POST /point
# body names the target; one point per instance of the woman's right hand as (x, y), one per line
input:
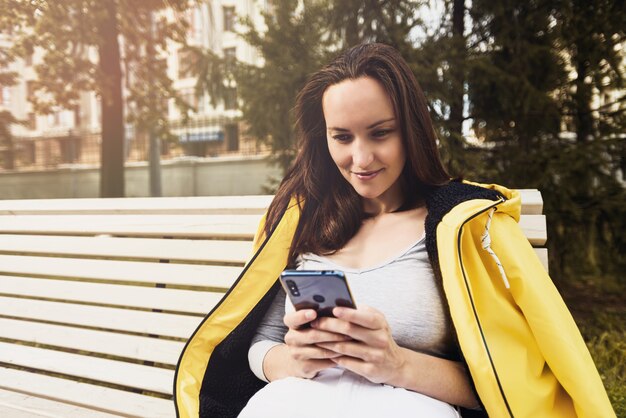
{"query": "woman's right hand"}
(300, 356)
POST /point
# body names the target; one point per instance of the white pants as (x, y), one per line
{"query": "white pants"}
(338, 393)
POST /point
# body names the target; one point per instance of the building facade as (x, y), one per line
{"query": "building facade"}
(72, 136)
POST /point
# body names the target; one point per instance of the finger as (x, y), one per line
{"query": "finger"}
(365, 316)
(354, 349)
(311, 336)
(311, 353)
(356, 365)
(311, 368)
(378, 338)
(299, 318)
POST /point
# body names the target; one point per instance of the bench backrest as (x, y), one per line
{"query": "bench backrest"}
(98, 296)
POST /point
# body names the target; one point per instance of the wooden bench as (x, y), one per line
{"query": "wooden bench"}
(98, 296)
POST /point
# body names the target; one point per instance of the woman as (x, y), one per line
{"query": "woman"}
(462, 313)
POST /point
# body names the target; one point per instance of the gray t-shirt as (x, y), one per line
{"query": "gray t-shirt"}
(403, 289)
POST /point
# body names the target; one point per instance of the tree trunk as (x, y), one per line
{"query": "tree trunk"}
(112, 148)
(458, 67)
(457, 83)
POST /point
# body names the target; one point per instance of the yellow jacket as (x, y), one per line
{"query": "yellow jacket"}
(523, 350)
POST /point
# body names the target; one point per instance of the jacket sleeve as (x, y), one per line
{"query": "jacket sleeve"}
(550, 321)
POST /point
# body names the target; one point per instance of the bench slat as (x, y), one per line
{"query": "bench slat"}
(19, 405)
(174, 274)
(206, 205)
(111, 371)
(534, 227)
(121, 345)
(209, 226)
(199, 226)
(87, 395)
(532, 204)
(130, 248)
(154, 323)
(110, 294)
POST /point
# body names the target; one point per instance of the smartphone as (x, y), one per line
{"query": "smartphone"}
(321, 290)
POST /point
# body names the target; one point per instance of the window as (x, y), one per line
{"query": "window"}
(229, 18)
(5, 96)
(185, 64)
(232, 137)
(230, 58)
(70, 149)
(32, 121)
(188, 96)
(30, 89)
(230, 98)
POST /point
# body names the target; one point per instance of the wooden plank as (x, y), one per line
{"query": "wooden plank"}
(20, 405)
(205, 205)
(102, 342)
(154, 323)
(532, 202)
(127, 271)
(109, 294)
(111, 371)
(210, 251)
(198, 226)
(209, 226)
(542, 253)
(534, 227)
(82, 394)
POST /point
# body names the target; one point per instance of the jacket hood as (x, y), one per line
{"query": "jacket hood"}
(512, 205)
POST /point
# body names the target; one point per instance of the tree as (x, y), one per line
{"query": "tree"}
(7, 78)
(70, 34)
(7, 147)
(294, 43)
(536, 70)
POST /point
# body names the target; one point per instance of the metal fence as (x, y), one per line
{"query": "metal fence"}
(83, 149)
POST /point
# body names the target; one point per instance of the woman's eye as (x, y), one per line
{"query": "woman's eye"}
(381, 133)
(341, 137)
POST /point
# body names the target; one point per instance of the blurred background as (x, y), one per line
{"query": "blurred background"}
(179, 98)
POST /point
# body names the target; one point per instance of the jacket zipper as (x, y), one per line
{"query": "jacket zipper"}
(482, 334)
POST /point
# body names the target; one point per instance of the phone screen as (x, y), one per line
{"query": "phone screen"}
(321, 290)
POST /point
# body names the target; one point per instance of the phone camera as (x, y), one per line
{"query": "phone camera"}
(318, 298)
(293, 288)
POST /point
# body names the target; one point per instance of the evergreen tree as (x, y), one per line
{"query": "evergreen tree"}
(586, 191)
(526, 91)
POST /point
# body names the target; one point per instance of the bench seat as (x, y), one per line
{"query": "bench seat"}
(98, 296)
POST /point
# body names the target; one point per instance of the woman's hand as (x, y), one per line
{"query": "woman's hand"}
(370, 351)
(301, 356)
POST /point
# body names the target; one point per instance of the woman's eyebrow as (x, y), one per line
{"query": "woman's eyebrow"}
(380, 122)
(373, 125)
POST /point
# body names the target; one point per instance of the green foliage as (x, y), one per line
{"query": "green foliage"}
(609, 353)
(294, 45)
(600, 316)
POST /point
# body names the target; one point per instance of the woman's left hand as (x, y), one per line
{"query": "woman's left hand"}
(372, 352)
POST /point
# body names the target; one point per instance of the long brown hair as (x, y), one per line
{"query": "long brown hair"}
(331, 210)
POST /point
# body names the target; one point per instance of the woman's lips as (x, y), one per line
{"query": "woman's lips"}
(367, 175)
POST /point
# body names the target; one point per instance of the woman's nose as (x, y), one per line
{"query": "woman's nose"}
(362, 153)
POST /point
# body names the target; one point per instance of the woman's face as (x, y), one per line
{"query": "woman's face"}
(364, 141)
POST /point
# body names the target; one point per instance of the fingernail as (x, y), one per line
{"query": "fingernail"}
(309, 315)
(338, 312)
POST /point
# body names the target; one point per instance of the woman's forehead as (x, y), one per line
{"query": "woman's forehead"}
(356, 103)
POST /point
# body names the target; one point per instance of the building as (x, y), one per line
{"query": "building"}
(72, 136)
